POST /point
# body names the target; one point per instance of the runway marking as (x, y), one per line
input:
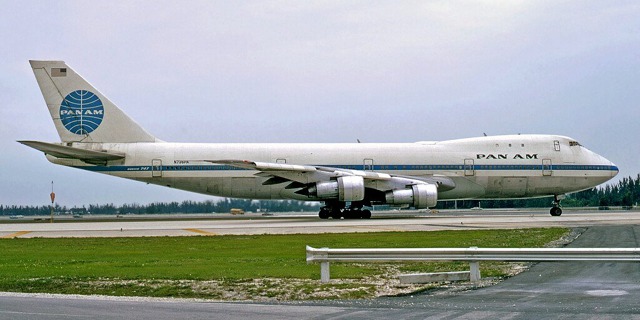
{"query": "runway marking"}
(65, 315)
(380, 228)
(206, 233)
(607, 293)
(15, 234)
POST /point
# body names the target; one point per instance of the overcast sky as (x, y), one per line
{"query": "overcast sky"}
(319, 71)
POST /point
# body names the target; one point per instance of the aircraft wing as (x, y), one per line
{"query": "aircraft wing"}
(284, 169)
(60, 151)
(265, 166)
(300, 176)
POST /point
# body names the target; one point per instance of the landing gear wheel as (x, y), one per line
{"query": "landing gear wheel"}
(352, 213)
(324, 213)
(556, 211)
(338, 210)
(332, 209)
(336, 214)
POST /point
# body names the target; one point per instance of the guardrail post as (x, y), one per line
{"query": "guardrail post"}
(324, 272)
(320, 255)
(474, 274)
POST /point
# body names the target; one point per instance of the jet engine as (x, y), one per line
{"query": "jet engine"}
(421, 196)
(349, 188)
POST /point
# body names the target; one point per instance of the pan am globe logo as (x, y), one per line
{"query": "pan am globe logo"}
(81, 112)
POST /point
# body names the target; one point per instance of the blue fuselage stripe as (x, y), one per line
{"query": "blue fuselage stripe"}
(412, 167)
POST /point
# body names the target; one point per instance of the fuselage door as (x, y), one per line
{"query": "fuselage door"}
(469, 169)
(368, 164)
(546, 167)
(156, 168)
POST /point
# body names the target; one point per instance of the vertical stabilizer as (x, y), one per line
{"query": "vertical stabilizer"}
(79, 111)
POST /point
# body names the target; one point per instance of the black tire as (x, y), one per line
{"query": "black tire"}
(555, 211)
(324, 214)
(352, 214)
(365, 214)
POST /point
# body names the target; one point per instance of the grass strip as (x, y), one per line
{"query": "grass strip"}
(229, 267)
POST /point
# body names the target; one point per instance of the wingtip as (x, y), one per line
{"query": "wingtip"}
(25, 142)
(36, 64)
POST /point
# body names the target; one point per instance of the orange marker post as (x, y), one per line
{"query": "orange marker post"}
(53, 198)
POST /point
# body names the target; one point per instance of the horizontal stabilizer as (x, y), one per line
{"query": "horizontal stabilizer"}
(58, 151)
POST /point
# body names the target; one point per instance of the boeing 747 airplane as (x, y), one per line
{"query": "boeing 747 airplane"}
(348, 177)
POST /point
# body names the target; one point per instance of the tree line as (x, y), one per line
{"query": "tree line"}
(624, 193)
(223, 206)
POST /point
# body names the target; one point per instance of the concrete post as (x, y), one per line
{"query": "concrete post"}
(474, 274)
(324, 272)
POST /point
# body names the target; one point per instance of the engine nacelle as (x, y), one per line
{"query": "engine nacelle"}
(421, 196)
(324, 190)
(349, 188)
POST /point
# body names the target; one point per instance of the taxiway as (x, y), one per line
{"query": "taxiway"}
(287, 224)
(549, 290)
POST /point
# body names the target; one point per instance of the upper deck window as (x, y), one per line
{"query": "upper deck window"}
(556, 145)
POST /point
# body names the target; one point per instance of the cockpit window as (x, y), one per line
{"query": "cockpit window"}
(574, 143)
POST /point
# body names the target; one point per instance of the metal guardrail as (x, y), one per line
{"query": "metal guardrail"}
(473, 255)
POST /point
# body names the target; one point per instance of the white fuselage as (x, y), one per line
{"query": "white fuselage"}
(513, 166)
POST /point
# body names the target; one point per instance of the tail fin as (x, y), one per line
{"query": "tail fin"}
(79, 111)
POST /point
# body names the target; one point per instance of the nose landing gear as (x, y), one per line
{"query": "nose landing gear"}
(556, 210)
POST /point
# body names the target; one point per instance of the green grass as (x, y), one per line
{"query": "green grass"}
(174, 266)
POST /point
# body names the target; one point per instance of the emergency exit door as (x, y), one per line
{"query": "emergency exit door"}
(156, 168)
(469, 169)
(547, 169)
(367, 164)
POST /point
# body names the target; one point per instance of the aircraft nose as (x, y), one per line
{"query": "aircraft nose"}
(614, 169)
(610, 168)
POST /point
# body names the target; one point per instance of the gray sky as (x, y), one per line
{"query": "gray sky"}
(320, 71)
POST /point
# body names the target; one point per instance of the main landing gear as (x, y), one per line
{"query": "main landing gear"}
(338, 210)
(556, 210)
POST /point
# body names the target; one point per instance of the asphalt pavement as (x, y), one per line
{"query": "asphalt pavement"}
(558, 290)
(450, 220)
